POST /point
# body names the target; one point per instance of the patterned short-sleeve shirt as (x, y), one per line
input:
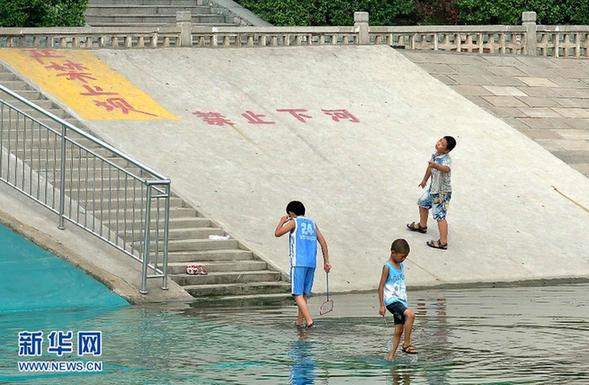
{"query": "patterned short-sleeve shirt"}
(440, 181)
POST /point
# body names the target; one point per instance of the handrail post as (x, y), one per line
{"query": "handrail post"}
(361, 27)
(166, 228)
(529, 22)
(62, 181)
(184, 22)
(146, 241)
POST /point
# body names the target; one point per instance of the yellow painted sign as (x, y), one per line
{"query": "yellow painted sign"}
(85, 84)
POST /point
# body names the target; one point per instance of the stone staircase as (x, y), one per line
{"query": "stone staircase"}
(153, 13)
(234, 271)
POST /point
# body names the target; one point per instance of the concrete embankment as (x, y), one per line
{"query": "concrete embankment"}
(517, 211)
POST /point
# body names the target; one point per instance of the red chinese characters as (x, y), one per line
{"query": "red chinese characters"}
(253, 118)
(73, 71)
(338, 115)
(213, 118)
(95, 91)
(40, 54)
(78, 72)
(297, 113)
(121, 104)
(300, 114)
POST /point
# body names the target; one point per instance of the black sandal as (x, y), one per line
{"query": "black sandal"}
(437, 244)
(409, 349)
(417, 227)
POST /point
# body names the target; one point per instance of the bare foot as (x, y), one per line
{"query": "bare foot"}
(390, 356)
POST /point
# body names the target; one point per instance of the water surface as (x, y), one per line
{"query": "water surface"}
(531, 335)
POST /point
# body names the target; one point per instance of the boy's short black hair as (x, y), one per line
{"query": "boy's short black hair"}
(451, 142)
(400, 246)
(296, 207)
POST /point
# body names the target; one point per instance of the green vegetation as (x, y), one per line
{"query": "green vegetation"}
(331, 12)
(509, 11)
(411, 12)
(42, 13)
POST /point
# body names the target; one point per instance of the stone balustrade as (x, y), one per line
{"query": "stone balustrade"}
(90, 37)
(563, 40)
(480, 39)
(526, 39)
(272, 36)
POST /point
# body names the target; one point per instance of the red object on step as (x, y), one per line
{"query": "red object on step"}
(196, 270)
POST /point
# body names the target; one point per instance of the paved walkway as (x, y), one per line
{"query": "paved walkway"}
(547, 99)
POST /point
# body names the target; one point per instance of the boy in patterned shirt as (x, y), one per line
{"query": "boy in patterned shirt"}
(437, 196)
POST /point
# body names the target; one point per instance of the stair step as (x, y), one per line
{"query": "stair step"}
(201, 244)
(249, 299)
(48, 122)
(35, 153)
(176, 223)
(126, 9)
(87, 172)
(5, 76)
(16, 84)
(215, 267)
(131, 3)
(28, 111)
(151, 18)
(29, 94)
(32, 139)
(226, 277)
(238, 289)
(185, 233)
(43, 103)
(52, 160)
(128, 203)
(215, 256)
(147, 25)
(97, 184)
(175, 212)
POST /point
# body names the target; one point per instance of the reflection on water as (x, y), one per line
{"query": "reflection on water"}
(302, 366)
(476, 336)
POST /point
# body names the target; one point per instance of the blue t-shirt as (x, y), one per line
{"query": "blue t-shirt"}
(302, 243)
(394, 288)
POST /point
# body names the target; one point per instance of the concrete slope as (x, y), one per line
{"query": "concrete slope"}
(358, 180)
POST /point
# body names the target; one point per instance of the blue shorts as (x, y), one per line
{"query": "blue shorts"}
(398, 310)
(438, 202)
(301, 280)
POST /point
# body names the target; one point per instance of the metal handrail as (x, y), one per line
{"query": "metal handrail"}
(28, 142)
(83, 133)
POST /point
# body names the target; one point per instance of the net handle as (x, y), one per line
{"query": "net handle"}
(327, 284)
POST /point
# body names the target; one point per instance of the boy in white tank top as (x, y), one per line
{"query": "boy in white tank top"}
(392, 295)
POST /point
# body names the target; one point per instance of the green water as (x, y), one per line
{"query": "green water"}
(533, 335)
(33, 278)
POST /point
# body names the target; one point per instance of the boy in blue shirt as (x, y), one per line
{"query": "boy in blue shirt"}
(392, 295)
(302, 241)
(437, 196)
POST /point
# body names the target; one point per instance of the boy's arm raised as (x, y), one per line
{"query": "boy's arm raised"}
(285, 225)
(324, 251)
(383, 279)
